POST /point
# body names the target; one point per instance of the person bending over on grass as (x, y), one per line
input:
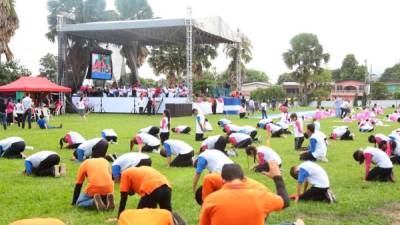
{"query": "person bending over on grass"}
(217, 142)
(239, 140)
(365, 126)
(238, 204)
(153, 188)
(95, 148)
(273, 130)
(213, 182)
(150, 217)
(44, 163)
(73, 140)
(261, 124)
(182, 129)
(310, 173)
(377, 139)
(200, 125)
(263, 154)
(222, 122)
(297, 130)
(384, 167)
(317, 148)
(42, 123)
(145, 142)
(249, 130)
(342, 133)
(183, 151)
(152, 130)
(99, 192)
(211, 159)
(38, 221)
(109, 135)
(12, 148)
(128, 160)
(392, 149)
(230, 128)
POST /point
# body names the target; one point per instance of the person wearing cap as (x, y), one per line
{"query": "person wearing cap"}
(72, 139)
(94, 147)
(145, 142)
(341, 133)
(263, 154)
(240, 140)
(99, 192)
(182, 129)
(317, 148)
(38, 221)
(200, 125)
(12, 148)
(213, 182)
(249, 130)
(152, 130)
(183, 151)
(109, 135)
(128, 160)
(297, 130)
(153, 188)
(384, 167)
(238, 204)
(310, 173)
(217, 142)
(211, 159)
(44, 163)
(150, 217)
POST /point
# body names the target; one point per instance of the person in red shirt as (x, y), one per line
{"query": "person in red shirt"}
(99, 191)
(222, 208)
(151, 185)
(150, 217)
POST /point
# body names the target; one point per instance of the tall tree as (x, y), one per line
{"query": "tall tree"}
(336, 75)
(351, 70)
(391, 74)
(379, 91)
(246, 56)
(48, 67)
(304, 59)
(285, 77)
(8, 24)
(253, 75)
(11, 71)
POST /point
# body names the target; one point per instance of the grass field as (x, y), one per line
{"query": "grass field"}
(359, 202)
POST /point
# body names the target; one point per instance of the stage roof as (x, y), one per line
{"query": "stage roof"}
(152, 32)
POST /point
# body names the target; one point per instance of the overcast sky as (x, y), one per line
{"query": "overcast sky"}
(368, 28)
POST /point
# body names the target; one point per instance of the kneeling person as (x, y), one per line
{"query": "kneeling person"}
(93, 148)
(150, 217)
(109, 135)
(38, 221)
(152, 130)
(145, 142)
(264, 154)
(342, 133)
(183, 151)
(217, 142)
(73, 140)
(44, 163)
(384, 167)
(12, 148)
(239, 140)
(181, 129)
(128, 160)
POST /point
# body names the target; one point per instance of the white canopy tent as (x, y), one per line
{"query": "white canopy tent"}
(152, 32)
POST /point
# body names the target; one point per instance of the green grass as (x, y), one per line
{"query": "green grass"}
(26, 197)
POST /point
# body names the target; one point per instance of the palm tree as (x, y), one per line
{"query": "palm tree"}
(8, 24)
(246, 56)
(304, 59)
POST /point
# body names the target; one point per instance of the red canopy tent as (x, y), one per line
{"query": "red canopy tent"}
(33, 84)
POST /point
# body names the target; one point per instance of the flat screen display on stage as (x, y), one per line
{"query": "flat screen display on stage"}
(100, 67)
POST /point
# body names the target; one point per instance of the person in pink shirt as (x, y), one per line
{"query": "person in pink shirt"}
(10, 111)
(298, 131)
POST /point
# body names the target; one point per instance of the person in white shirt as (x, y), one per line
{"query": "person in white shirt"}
(263, 107)
(73, 140)
(365, 126)
(222, 122)
(182, 129)
(165, 125)
(44, 163)
(249, 130)
(274, 130)
(341, 133)
(211, 159)
(128, 160)
(230, 128)
(183, 151)
(317, 148)
(310, 173)
(217, 142)
(200, 125)
(152, 130)
(93, 148)
(263, 154)
(82, 108)
(19, 110)
(12, 148)
(141, 105)
(27, 105)
(109, 135)
(297, 130)
(384, 167)
(145, 142)
(240, 140)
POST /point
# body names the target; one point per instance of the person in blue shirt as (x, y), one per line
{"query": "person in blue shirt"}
(42, 123)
